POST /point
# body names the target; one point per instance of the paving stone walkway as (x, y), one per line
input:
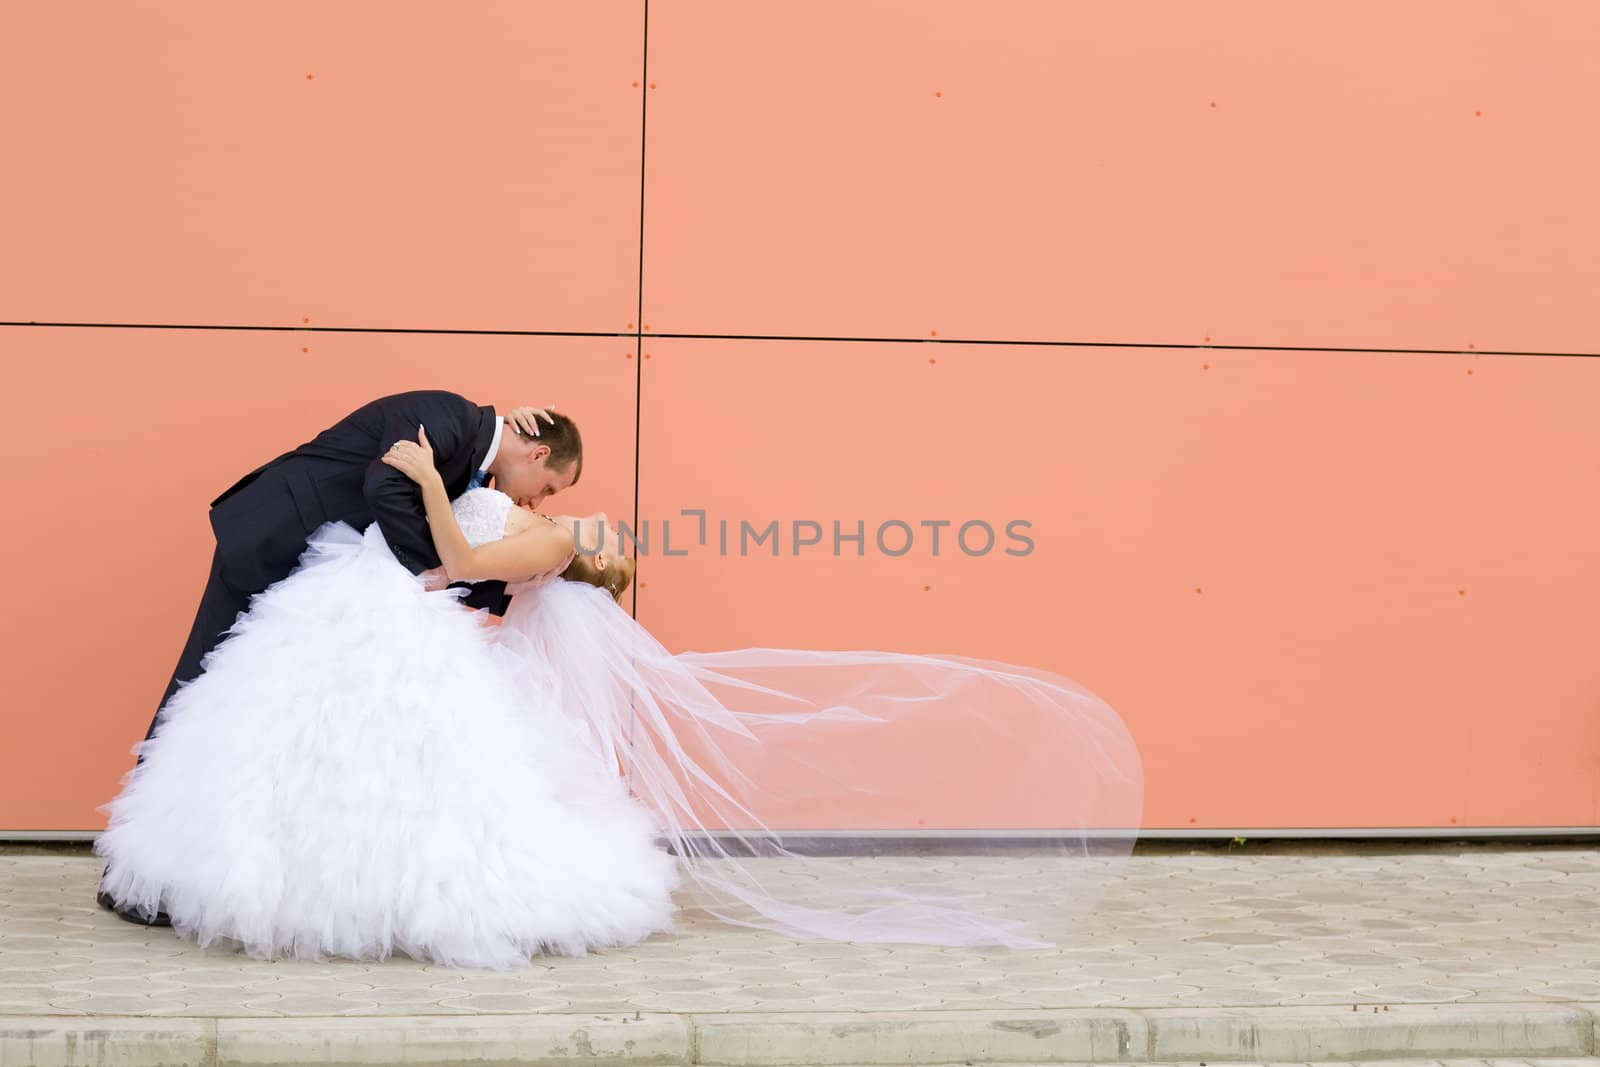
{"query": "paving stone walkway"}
(1360, 929)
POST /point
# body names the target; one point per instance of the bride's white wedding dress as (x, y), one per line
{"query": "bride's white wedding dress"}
(365, 768)
(354, 774)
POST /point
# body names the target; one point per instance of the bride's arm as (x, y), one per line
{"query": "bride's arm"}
(535, 550)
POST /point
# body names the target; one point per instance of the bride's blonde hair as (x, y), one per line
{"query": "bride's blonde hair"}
(615, 579)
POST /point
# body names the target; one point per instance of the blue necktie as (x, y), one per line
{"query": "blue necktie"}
(477, 480)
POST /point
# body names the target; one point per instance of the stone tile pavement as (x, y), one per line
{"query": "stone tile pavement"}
(1199, 950)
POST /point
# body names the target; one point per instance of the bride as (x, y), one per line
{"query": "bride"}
(365, 768)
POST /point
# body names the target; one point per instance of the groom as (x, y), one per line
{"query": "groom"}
(262, 521)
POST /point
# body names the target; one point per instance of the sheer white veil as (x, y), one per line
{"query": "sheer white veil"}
(817, 794)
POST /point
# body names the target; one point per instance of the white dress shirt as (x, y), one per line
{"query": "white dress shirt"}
(494, 446)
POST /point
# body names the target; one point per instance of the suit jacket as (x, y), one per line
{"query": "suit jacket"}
(262, 521)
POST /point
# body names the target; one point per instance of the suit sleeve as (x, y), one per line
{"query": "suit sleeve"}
(490, 595)
(395, 500)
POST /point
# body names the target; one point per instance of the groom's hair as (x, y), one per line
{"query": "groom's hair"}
(564, 441)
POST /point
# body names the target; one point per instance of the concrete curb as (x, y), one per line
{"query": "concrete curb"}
(1295, 1034)
(818, 1039)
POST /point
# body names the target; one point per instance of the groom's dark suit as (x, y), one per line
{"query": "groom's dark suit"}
(262, 521)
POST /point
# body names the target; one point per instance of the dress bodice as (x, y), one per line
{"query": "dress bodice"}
(482, 514)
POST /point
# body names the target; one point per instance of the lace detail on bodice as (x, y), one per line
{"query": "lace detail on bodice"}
(482, 514)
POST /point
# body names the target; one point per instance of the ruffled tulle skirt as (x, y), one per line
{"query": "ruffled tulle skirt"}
(365, 768)
(358, 773)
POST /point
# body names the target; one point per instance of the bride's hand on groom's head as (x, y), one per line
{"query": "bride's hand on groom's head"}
(525, 420)
(414, 459)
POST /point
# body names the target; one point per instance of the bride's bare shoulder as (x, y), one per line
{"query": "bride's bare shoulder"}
(518, 520)
(521, 520)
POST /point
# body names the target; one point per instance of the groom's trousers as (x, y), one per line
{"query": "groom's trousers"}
(220, 605)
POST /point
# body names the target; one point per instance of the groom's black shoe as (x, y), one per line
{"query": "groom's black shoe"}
(131, 914)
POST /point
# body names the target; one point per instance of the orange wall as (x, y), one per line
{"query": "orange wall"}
(1259, 314)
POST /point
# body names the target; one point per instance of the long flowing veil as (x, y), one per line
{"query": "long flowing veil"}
(859, 796)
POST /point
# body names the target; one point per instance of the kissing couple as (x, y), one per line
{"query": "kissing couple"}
(355, 759)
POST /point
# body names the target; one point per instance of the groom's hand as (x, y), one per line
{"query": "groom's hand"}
(526, 419)
(434, 579)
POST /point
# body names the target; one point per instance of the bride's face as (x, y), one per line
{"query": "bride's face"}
(594, 535)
